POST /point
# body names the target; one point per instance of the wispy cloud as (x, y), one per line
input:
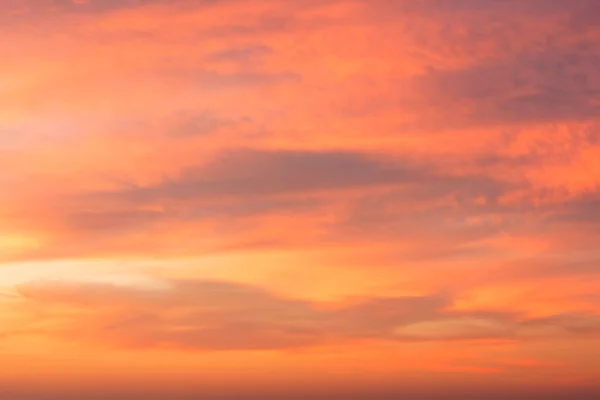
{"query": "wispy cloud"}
(214, 315)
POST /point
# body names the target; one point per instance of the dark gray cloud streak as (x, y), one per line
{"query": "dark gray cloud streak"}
(246, 182)
(251, 173)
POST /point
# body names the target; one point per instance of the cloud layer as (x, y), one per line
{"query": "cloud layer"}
(213, 315)
(343, 179)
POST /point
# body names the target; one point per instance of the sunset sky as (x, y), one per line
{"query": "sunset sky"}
(310, 198)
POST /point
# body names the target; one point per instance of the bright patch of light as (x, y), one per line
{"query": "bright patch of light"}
(73, 271)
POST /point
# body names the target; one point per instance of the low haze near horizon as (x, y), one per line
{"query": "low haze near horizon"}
(278, 198)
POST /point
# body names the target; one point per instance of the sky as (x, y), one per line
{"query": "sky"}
(267, 199)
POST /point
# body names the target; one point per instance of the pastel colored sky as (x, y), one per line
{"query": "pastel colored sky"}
(311, 197)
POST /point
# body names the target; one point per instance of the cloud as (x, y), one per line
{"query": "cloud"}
(218, 316)
(563, 324)
(233, 185)
(343, 196)
(214, 315)
(263, 172)
(191, 124)
(91, 6)
(239, 192)
(248, 173)
(547, 86)
(241, 54)
(455, 328)
(508, 64)
(583, 210)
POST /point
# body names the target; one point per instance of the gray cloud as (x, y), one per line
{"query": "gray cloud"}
(507, 63)
(248, 173)
(257, 172)
(551, 85)
(582, 211)
(241, 184)
(203, 123)
(240, 54)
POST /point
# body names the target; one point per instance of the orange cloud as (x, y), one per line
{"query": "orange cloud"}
(214, 315)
